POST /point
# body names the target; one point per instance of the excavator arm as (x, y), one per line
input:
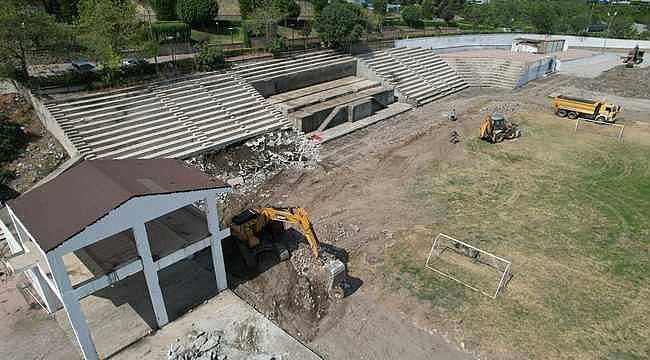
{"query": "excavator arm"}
(294, 215)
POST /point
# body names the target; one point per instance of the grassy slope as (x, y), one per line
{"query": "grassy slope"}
(573, 214)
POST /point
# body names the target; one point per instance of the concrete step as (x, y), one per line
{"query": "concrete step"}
(139, 132)
(91, 127)
(145, 147)
(152, 135)
(113, 132)
(115, 114)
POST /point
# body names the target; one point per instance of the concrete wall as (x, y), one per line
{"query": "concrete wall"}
(351, 111)
(48, 120)
(537, 70)
(491, 41)
(301, 79)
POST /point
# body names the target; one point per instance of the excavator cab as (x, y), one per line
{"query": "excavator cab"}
(258, 232)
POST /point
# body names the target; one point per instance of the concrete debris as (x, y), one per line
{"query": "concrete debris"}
(249, 165)
(504, 108)
(213, 345)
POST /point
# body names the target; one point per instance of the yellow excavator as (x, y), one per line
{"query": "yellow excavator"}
(258, 232)
(495, 129)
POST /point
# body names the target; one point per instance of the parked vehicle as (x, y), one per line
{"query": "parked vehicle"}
(83, 65)
(133, 61)
(598, 110)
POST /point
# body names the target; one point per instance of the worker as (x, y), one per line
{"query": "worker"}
(452, 115)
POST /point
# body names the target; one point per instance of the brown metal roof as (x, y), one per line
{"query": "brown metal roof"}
(63, 207)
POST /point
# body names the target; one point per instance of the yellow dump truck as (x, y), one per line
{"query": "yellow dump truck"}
(572, 107)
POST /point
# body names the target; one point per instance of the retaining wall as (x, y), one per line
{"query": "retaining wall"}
(538, 69)
(275, 85)
(491, 41)
(48, 120)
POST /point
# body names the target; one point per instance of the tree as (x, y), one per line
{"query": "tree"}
(25, 28)
(429, 9)
(108, 29)
(246, 7)
(197, 12)
(341, 23)
(447, 9)
(289, 8)
(542, 16)
(12, 139)
(165, 9)
(319, 5)
(264, 20)
(412, 15)
(379, 7)
(210, 58)
(620, 27)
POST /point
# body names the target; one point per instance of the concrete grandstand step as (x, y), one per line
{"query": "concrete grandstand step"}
(142, 148)
(108, 133)
(125, 134)
(153, 134)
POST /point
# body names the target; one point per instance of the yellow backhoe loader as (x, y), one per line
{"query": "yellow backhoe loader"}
(495, 129)
(258, 232)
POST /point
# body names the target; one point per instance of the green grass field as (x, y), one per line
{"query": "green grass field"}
(572, 212)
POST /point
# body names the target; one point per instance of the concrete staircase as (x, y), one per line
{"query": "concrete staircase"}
(419, 74)
(175, 118)
(489, 72)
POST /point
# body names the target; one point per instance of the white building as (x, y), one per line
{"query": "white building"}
(105, 220)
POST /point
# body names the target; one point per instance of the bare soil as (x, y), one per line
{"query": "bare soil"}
(359, 188)
(41, 155)
(620, 81)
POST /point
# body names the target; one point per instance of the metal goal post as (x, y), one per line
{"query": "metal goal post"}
(620, 127)
(442, 241)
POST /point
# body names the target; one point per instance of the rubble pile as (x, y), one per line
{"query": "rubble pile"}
(42, 153)
(213, 345)
(246, 166)
(504, 108)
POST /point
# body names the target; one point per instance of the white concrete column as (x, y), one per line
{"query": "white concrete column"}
(150, 274)
(212, 214)
(72, 307)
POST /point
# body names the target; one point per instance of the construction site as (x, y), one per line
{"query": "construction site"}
(452, 197)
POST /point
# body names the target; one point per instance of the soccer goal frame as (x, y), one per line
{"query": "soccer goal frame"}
(620, 132)
(436, 251)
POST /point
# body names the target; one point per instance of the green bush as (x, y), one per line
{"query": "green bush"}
(12, 139)
(288, 7)
(178, 29)
(197, 12)
(165, 9)
(412, 15)
(276, 46)
(210, 58)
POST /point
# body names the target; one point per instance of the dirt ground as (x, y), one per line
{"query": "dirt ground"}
(358, 191)
(621, 81)
(41, 155)
(376, 196)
